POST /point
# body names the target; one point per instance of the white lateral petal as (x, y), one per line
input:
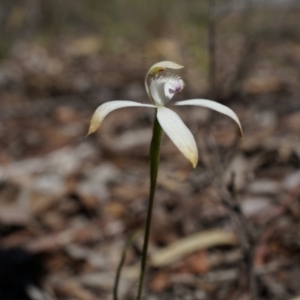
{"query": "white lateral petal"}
(214, 106)
(159, 67)
(103, 110)
(156, 87)
(178, 133)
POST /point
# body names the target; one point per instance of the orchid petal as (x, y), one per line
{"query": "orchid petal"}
(103, 110)
(178, 133)
(214, 106)
(157, 92)
(159, 67)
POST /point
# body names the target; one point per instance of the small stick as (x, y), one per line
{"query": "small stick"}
(129, 243)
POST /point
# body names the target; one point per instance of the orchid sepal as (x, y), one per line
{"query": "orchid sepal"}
(103, 110)
(179, 134)
(214, 106)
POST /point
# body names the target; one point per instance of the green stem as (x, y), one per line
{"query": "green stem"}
(154, 164)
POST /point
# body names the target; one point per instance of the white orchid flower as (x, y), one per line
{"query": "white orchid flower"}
(161, 89)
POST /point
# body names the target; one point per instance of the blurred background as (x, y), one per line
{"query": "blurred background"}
(68, 203)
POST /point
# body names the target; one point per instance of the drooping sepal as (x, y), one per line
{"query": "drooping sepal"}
(180, 135)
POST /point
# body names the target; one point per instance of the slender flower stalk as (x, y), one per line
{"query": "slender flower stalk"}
(161, 87)
(154, 165)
